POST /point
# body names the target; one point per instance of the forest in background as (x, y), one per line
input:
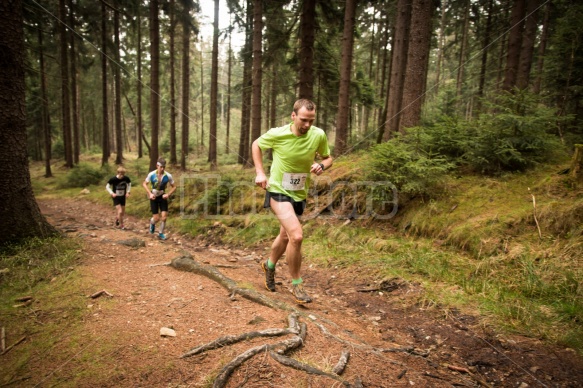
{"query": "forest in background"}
(488, 85)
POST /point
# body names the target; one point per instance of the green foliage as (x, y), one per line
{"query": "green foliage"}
(84, 175)
(58, 151)
(516, 134)
(401, 162)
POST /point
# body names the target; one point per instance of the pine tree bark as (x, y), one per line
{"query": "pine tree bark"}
(74, 89)
(117, 86)
(244, 144)
(341, 143)
(257, 71)
(46, 122)
(104, 101)
(417, 62)
(65, 91)
(306, 54)
(214, 91)
(172, 34)
(528, 40)
(542, 48)
(398, 67)
(154, 81)
(514, 44)
(21, 217)
(185, 89)
(139, 86)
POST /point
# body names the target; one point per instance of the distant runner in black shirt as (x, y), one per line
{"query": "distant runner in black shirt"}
(119, 188)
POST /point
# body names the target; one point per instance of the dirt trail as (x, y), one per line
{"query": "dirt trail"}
(391, 343)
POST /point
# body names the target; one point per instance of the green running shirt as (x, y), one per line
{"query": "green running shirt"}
(293, 155)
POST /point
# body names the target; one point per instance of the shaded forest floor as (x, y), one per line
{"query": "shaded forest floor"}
(392, 341)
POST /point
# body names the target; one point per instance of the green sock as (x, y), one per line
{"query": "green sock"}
(270, 265)
(297, 281)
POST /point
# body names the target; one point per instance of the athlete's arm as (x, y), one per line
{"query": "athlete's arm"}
(260, 178)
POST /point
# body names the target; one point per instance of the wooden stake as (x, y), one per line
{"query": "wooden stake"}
(540, 236)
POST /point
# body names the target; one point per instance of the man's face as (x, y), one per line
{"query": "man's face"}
(303, 120)
(160, 169)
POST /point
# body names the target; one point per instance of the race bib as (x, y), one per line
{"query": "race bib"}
(120, 189)
(294, 181)
(157, 193)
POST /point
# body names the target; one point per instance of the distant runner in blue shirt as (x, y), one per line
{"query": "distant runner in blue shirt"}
(156, 184)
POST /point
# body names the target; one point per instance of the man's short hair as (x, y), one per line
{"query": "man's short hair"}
(161, 162)
(304, 103)
(121, 170)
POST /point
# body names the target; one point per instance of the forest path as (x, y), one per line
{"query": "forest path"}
(391, 341)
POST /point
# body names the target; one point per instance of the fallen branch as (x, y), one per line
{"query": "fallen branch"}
(341, 364)
(159, 265)
(13, 345)
(23, 298)
(100, 293)
(27, 303)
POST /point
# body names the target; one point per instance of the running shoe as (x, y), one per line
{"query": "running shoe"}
(161, 236)
(269, 277)
(152, 228)
(300, 294)
(116, 222)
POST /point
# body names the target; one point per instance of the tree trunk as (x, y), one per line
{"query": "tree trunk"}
(74, 92)
(576, 171)
(117, 76)
(139, 86)
(154, 81)
(246, 95)
(21, 217)
(201, 97)
(528, 39)
(214, 91)
(542, 49)
(463, 53)
(172, 33)
(341, 143)
(440, 47)
(306, 54)
(398, 66)
(185, 89)
(257, 71)
(485, 45)
(46, 122)
(417, 62)
(65, 91)
(229, 73)
(104, 102)
(514, 44)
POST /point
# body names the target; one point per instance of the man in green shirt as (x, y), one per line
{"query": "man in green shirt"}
(294, 147)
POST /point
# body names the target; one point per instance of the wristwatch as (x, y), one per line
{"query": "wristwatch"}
(322, 165)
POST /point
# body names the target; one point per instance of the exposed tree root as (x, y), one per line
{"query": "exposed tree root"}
(278, 350)
(187, 263)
